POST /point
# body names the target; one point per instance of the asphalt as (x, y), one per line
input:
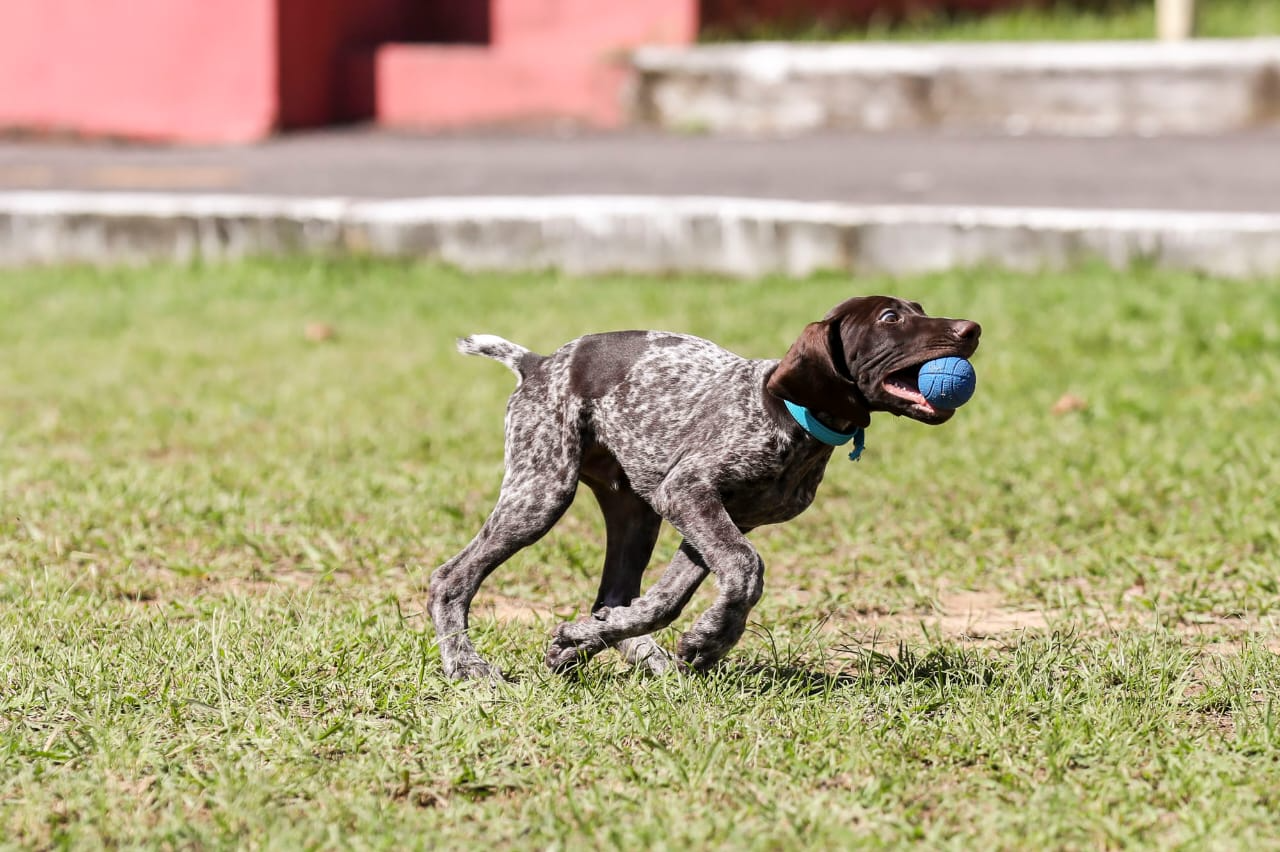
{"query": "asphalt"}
(1237, 172)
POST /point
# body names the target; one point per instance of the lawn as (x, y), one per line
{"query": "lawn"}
(1050, 623)
(1057, 20)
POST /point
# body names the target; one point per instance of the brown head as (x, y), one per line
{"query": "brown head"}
(863, 357)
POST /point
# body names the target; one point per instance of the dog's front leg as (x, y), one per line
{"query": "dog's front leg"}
(694, 508)
(627, 626)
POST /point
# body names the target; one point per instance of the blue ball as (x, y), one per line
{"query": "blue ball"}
(947, 382)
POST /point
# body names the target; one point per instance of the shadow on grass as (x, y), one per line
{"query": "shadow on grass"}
(942, 665)
(865, 668)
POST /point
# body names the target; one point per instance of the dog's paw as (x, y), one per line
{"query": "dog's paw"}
(645, 652)
(475, 669)
(571, 646)
(695, 653)
(563, 659)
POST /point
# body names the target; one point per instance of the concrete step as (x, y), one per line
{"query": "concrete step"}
(587, 235)
(1082, 88)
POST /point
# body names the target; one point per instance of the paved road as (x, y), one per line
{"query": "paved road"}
(1239, 172)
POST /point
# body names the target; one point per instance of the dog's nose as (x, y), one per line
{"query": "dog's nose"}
(967, 331)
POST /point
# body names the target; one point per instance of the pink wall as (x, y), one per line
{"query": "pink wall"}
(185, 69)
(238, 70)
(590, 26)
(545, 59)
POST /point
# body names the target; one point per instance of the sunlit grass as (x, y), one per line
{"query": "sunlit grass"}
(216, 533)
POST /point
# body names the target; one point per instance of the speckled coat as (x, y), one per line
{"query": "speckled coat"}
(669, 426)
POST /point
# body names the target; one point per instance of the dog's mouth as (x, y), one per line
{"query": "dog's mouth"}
(904, 396)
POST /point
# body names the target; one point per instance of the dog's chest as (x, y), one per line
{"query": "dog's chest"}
(777, 489)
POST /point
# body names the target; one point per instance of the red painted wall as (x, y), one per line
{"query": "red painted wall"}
(190, 70)
(186, 69)
(318, 40)
(238, 70)
(545, 59)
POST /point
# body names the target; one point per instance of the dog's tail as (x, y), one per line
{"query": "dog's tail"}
(513, 355)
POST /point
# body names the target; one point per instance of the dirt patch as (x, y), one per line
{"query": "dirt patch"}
(960, 616)
(148, 585)
(503, 608)
(983, 615)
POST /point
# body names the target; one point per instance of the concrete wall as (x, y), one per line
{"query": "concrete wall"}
(545, 59)
(190, 70)
(187, 69)
(238, 70)
(1085, 88)
(318, 40)
(584, 235)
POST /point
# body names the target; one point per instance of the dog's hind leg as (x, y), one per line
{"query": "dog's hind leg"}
(541, 477)
(632, 528)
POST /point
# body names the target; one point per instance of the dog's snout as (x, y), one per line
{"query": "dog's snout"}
(966, 331)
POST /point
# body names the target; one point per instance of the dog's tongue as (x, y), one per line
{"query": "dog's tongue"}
(901, 385)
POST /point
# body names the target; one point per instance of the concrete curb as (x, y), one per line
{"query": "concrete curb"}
(1085, 88)
(595, 234)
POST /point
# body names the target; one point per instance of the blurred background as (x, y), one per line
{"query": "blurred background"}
(241, 70)
(957, 108)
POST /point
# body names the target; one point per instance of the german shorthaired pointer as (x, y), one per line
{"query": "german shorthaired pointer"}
(670, 426)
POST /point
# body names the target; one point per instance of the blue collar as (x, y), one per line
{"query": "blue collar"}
(810, 424)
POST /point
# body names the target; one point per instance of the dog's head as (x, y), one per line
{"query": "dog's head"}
(864, 356)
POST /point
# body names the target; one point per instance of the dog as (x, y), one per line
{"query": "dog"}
(670, 426)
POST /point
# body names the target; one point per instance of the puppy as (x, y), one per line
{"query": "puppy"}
(669, 426)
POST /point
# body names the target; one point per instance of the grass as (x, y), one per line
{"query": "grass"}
(1060, 20)
(216, 532)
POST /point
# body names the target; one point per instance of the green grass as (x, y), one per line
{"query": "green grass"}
(215, 535)
(1055, 21)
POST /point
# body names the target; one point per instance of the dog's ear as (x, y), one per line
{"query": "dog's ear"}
(813, 374)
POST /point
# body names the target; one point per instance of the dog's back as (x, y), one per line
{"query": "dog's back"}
(647, 397)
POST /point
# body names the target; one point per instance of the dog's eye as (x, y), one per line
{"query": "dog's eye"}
(890, 316)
